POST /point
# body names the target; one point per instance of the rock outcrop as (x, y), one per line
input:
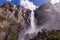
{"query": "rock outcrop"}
(12, 19)
(49, 16)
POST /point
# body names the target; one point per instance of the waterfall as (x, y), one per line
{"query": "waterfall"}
(28, 5)
(32, 28)
(32, 19)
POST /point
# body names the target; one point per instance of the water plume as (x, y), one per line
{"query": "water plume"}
(29, 5)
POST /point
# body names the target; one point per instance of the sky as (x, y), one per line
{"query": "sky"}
(16, 2)
(35, 2)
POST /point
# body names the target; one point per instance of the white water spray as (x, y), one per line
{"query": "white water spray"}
(29, 5)
(32, 18)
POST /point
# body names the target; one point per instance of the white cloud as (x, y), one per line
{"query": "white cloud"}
(9, 0)
(27, 4)
(54, 1)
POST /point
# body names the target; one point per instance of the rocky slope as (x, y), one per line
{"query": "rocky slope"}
(51, 28)
(12, 19)
(51, 13)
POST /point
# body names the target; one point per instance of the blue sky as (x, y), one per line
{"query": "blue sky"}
(39, 2)
(36, 2)
(16, 2)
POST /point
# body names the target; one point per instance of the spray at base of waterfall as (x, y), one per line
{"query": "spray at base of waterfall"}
(32, 30)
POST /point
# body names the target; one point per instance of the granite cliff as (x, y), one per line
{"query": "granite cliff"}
(12, 19)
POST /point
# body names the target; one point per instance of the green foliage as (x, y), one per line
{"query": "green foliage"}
(51, 38)
(11, 37)
(53, 35)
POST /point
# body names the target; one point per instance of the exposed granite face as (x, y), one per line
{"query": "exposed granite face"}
(12, 21)
(49, 16)
(50, 13)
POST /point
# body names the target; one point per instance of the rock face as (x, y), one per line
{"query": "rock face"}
(12, 19)
(49, 16)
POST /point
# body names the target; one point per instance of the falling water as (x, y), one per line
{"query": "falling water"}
(32, 19)
(28, 5)
(32, 28)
